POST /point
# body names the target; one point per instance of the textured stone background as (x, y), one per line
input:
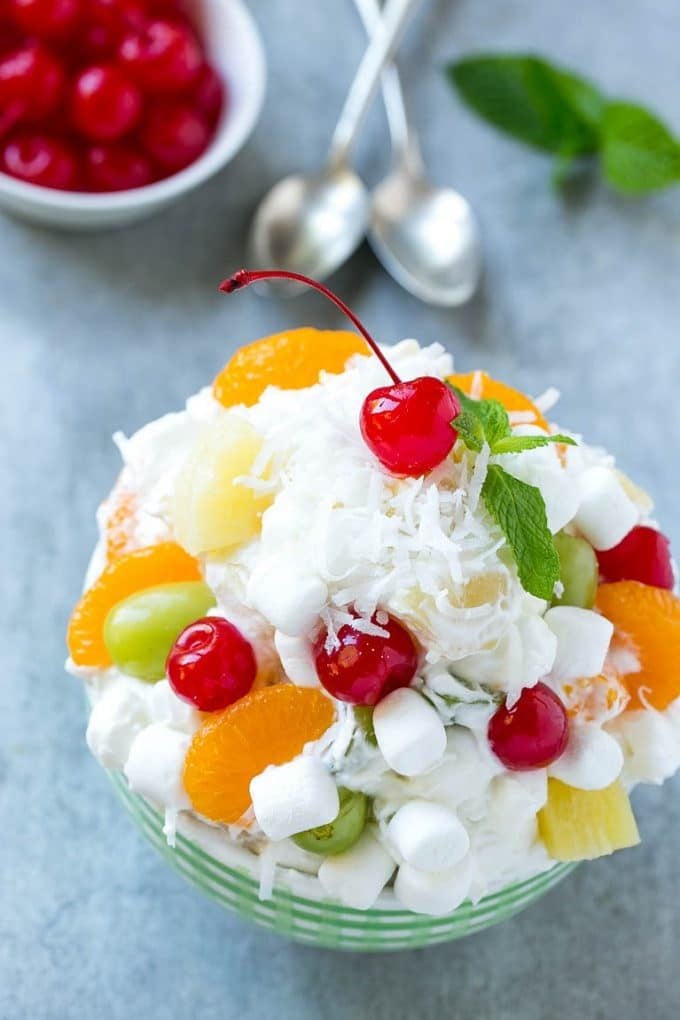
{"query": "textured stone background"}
(105, 332)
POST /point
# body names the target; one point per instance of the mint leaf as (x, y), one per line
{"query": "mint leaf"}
(494, 420)
(480, 421)
(519, 511)
(517, 444)
(532, 100)
(638, 152)
(470, 430)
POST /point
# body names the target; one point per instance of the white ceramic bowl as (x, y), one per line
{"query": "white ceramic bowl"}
(233, 44)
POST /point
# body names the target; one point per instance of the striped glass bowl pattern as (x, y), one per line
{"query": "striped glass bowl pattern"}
(322, 923)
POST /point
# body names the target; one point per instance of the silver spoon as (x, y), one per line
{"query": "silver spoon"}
(312, 224)
(426, 237)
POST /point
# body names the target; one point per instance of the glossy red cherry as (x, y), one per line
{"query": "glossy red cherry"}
(105, 104)
(408, 426)
(104, 25)
(363, 668)
(164, 58)
(32, 81)
(40, 159)
(531, 734)
(208, 94)
(211, 664)
(46, 19)
(174, 135)
(643, 555)
(116, 167)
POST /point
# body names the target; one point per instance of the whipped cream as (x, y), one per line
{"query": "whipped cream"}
(340, 533)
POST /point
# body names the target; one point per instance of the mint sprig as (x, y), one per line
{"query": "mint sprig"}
(519, 511)
(487, 421)
(551, 108)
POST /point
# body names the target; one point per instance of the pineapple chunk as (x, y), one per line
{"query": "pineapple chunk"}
(579, 825)
(210, 510)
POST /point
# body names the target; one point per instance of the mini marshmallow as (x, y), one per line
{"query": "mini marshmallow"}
(293, 797)
(539, 646)
(592, 760)
(428, 836)
(297, 659)
(358, 876)
(433, 892)
(116, 719)
(155, 765)
(410, 734)
(651, 743)
(605, 514)
(583, 639)
(287, 596)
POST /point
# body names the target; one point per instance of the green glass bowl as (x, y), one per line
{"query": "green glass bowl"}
(323, 923)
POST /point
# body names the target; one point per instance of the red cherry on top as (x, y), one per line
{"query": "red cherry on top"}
(164, 58)
(211, 665)
(46, 19)
(363, 668)
(531, 734)
(643, 555)
(40, 159)
(408, 425)
(105, 104)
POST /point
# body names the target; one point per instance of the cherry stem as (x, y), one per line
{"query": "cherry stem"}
(244, 278)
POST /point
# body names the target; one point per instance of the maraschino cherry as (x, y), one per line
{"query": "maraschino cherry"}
(211, 665)
(363, 668)
(407, 425)
(643, 555)
(531, 734)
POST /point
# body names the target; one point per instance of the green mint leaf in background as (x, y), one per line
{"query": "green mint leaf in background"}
(518, 444)
(638, 152)
(532, 100)
(519, 511)
(551, 108)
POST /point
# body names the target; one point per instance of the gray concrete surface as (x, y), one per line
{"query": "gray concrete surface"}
(106, 332)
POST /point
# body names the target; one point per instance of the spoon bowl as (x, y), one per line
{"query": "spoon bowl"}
(427, 238)
(311, 225)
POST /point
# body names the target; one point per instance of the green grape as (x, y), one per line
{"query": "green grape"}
(578, 571)
(342, 833)
(364, 718)
(140, 631)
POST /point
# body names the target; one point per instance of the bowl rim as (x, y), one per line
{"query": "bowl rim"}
(229, 138)
(189, 856)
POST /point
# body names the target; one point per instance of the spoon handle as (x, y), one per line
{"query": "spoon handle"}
(404, 139)
(379, 53)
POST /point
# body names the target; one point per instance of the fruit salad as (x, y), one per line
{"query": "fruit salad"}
(103, 95)
(360, 620)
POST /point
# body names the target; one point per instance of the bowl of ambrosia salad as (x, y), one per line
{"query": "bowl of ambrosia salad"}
(374, 651)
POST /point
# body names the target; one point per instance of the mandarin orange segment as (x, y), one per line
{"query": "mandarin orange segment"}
(120, 524)
(134, 571)
(291, 361)
(266, 727)
(647, 623)
(481, 386)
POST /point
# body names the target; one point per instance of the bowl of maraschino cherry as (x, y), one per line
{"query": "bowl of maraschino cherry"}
(112, 109)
